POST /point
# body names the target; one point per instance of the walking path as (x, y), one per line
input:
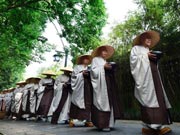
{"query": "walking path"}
(9, 127)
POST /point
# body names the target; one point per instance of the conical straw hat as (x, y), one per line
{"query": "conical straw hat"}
(110, 50)
(33, 80)
(69, 69)
(21, 83)
(49, 72)
(82, 57)
(155, 37)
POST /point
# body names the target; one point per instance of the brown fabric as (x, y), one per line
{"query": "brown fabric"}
(83, 114)
(113, 94)
(159, 115)
(8, 113)
(27, 104)
(3, 105)
(36, 94)
(46, 100)
(57, 112)
(36, 97)
(101, 118)
(20, 113)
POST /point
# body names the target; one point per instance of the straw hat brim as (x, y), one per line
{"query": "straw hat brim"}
(11, 89)
(50, 73)
(110, 50)
(68, 69)
(21, 83)
(33, 80)
(155, 37)
(82, 57)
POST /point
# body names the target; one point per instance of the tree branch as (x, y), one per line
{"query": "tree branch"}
(24, 4)
(38, 9)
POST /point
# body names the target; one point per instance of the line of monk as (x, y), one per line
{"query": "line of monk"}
(88, 96)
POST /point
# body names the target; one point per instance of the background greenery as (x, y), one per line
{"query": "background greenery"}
(162, 16)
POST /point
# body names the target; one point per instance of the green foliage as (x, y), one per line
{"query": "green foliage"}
(54, 68)
(162, 16)
(23, 21)
(19, 30)
(81, 22)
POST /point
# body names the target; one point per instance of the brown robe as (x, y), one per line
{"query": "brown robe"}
(2, 105)
(159, 115)
(101, 119)
(46, 100)
(66, 90)
(83, 114)
(27, 104)
(20, 113)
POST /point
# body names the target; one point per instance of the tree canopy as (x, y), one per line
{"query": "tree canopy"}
(22, 23)
(159, 15)
(81, 22)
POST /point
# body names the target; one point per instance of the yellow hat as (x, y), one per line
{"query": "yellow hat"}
(155, 37)
(69, 69)
(49, 72)
(11, 89)
(110, 50)
(33, 80)
(21, 83)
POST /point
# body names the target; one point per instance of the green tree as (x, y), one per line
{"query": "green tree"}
(159, 15)
(19, 31)
(22, 23)
(81, 22)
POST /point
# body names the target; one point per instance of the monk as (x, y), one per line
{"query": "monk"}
(80, 111)
(16, 107)
(26, 98)
(2, 104)
(8, 97)
(149, 90)
(105, 108)
(62, 98)
(31, 97)
(45, 95)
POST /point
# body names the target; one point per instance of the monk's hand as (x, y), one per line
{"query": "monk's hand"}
(152, 56)
(65, 85)
(107, 66)
(85, 72)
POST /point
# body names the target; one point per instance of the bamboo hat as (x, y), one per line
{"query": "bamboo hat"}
(69, 69)
(33, 80)
(82, 57)
(21, 83)
(155, 37)
(49, 72)
(11, 89)
(110, 50)
(4, 91)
